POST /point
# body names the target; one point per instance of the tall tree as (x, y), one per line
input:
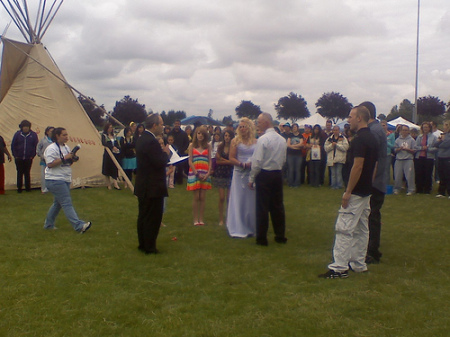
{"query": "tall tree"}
(95, 113)
(405, 110)
(430, 108)
(333, 105)
(129, 110)
(227, 119)
(171, 116)
(248, 109)
(292, 107)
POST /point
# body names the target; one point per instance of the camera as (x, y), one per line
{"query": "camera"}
(74, 156)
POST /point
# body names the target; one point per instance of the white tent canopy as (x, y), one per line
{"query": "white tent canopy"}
(313, 120)
(402, 121)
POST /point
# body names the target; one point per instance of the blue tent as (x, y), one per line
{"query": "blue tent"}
(200, 120)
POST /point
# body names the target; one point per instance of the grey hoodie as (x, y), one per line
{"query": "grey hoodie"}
(407, 142)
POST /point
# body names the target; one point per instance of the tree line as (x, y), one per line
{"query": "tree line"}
(331, 105)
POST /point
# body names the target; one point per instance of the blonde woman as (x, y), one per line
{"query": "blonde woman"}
(241, 215)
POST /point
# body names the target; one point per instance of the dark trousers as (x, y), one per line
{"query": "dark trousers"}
(2, 178)
(423, 168)
(269, 199)
(305, 173)
(23, 167)
(444, 175)
(376, 202)
(179, 172)
(149, 221)
(314, 169)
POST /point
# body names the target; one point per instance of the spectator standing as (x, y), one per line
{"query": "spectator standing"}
(109, 168)
(443, 145)
(336, 147)
(181, 141)
(424, 160)
(404, 149)
(23, 148)
(42, 145)
(3, 151)
(352, 229)
(294, 156)
(128, 150)
(315, 144)
(305, 170)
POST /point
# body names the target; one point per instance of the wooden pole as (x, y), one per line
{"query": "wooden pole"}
(119, 168)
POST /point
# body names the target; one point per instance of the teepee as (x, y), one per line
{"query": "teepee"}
(33, 88)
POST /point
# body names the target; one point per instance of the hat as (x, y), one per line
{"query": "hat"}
(308, 126)
(287, 124)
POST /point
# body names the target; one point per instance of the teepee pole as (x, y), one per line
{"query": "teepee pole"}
(51, 18)
(17, 20)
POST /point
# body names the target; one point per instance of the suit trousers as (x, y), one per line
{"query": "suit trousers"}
(376, 202)
(269, 199)
(149, 221)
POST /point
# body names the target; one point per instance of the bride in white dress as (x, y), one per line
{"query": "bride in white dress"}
(241, 215)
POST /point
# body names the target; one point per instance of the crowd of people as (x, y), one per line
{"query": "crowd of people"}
(249, 166)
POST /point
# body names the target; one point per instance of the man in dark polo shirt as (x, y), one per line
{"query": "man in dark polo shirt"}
(352, 229)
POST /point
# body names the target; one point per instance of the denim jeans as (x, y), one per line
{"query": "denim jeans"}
(62, 199)
(294, 164)
(336, 175)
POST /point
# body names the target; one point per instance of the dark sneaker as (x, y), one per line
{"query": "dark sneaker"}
(372, 260)
(85, 227)
(334, 274)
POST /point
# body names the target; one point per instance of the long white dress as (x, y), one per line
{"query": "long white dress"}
(241, 216)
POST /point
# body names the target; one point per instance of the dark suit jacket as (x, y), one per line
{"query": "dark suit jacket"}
(151, 167)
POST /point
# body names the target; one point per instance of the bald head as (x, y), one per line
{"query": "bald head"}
(265, 121)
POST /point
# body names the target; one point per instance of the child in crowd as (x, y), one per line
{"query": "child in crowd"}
(199, 180)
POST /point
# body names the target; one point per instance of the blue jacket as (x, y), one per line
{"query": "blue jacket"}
(431, 146)
(444, 146)
(23, 146)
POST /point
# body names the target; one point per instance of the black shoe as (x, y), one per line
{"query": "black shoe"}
(372, 260)
(280, 240)
(262, 242)
(152, 251)
(334, 274)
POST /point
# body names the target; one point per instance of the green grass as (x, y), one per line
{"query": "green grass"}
(60, 283)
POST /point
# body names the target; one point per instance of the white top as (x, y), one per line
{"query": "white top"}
(269, 155)
(60, 172)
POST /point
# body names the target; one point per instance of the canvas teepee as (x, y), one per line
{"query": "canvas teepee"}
(33, 88)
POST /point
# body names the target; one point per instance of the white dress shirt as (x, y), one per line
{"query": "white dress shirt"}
(269, 155)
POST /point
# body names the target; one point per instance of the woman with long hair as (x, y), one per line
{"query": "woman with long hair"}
(424, 159)
(223, 172)
(127, 147)
(109, 169)
(316, 147)
(336, 147)
(294, 156)
(58, 176)
(241, 215)
(199, 180)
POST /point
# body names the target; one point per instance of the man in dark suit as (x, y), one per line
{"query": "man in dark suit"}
(151, 185)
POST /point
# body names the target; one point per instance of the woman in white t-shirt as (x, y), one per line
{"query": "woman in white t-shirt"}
(58, 176)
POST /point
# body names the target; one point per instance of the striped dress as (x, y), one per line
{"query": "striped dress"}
(201, 164)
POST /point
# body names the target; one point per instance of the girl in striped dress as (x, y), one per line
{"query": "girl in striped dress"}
(199, 179)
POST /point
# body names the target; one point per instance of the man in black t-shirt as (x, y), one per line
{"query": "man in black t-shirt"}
(352, 229)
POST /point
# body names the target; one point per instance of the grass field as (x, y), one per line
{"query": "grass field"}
(60, 283)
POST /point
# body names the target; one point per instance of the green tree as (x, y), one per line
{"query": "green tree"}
(248, 109)
(292, 107)
(430, 108)
(94, 112)
(227, 119)
(333, 105)
(129, 110)
(171, 116)
(405, 110)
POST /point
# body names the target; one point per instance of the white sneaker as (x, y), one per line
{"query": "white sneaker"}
(396, 192)
(409, 193)
(85, 227)
(440, 196)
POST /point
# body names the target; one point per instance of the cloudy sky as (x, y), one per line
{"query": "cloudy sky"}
(199, 55)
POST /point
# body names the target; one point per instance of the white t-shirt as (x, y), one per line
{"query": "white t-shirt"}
(59, 172)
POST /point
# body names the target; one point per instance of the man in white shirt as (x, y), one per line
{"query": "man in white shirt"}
(266, 173)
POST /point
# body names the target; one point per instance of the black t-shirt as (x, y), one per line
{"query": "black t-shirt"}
(294, 141)
(364, 145)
